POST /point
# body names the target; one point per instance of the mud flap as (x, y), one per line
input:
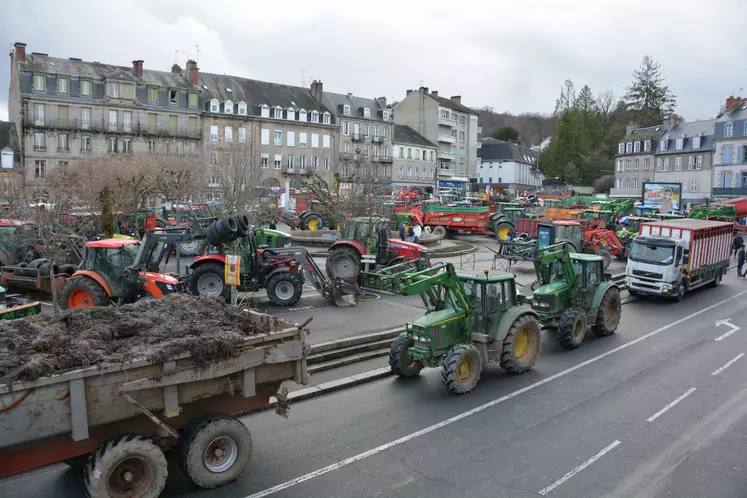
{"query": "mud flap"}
(345, 293)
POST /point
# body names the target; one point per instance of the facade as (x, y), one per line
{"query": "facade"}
(448, 124)
(10, 150)
(635, 161)
(415, 160)
(730, 150)
(507, 166)
(365, 131)
(69, 109)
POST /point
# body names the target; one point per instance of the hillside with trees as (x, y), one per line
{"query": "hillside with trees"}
(532, 127)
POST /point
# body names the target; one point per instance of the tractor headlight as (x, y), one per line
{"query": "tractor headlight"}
(539, 304)
(169, 287)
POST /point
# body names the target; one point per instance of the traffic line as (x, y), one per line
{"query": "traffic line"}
(578, 469)
(728, 364)
(670, 405)
(343, 463)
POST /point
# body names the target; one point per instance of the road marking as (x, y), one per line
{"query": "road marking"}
(728, 364)
(481, 408)
(733, 327)
(578, 469)
(670, 405)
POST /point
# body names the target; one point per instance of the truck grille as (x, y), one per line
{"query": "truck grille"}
(648, 274)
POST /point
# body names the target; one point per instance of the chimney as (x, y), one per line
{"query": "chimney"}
(434, 93)
(193, 72)
(670, 120)
(382, 101)
(175, 68)
(408, 92)
(424, 89)
(137, 68)
(629, 128)
(731, 103)
(317, 90)
(457, 99)
(20, 52)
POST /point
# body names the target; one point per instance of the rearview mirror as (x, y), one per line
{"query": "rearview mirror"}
(608, 276)
(522, 299)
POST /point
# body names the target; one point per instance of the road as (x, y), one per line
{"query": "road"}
(657, 410)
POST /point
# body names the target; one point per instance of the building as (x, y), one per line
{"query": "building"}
(507, 166)
(684, 154)
(365, 133)
(448, 124)
(634, 162)
(70, 109)
(415, 160)
(276, 134)
(10, 149)
(730, 150)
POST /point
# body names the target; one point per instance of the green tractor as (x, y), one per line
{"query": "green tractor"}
(574, 293)
(629, 227)
(471, 321)
(606, 217)
(505, 222)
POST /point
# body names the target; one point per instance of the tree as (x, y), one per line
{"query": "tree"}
(507, 134)
(604, 183)
(567, 98)
(648, 99)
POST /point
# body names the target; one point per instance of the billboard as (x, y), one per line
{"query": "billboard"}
(665, 196)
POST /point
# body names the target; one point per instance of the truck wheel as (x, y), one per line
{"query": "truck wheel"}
(521, 346)
(343, 262)
(608, 316)
(716, 279)
(503, 231)
(439, 231)
(461, 369)
(215, 451)
(312, 222)
(284, 289)
(83, 292)
(207, 280)
(128, 465)
(681, 289)
(400, 361)
(572, 328)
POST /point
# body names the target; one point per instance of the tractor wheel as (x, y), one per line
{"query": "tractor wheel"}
(439, 231)
(243, 225)
(212, 235)
(461, 369)
(226, 229)
(343, 262)
(191, 248)
(521, 346)
(83, 292)
(503, 231)
(284, 289)
(128, 465)
(572, 328)
(400, 361)
(608, 316)
(312, 222)
(207, 280)
(68, 269)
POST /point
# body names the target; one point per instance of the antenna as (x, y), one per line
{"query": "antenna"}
(197, 58)
(177, 52)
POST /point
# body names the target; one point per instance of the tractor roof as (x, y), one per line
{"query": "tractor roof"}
(498, 277)
(586, 257)
(566, 223)
(111, 243)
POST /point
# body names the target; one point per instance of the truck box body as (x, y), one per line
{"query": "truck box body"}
(469, 219)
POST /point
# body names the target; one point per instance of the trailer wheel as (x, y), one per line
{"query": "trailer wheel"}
(400, 361)
(215, 451)
(439, 231)
(125, 466)
(521, 346)
(284, 289)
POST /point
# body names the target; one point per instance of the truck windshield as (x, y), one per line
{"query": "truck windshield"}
(654, 255)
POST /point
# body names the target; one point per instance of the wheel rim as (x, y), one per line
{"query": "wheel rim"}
(210, 284)
(284, 291)
(80, 298)
(220, 454)
(524, 344)
(503, 232)
(681, 291)
(313, 224)
(465, 368)
(578, 330)
(130, 478)
(191, 246)
(345, 268)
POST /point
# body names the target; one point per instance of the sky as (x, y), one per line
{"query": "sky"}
(512, 56)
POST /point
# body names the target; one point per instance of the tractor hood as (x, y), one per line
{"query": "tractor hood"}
(159, 277)
(550, 289)
(436, 318)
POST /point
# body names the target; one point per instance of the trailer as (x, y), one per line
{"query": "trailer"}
(671, 257)
(452, 219)
(126, 416)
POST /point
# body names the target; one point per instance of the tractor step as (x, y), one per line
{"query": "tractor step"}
(348, 360)
(347, 352)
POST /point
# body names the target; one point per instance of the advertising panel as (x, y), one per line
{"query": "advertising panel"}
(665, 196)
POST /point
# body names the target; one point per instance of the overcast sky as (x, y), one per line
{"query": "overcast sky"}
(510, 55)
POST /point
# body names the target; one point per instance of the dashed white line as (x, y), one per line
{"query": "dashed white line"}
(728, 364)
(670, 405)
(578, 469)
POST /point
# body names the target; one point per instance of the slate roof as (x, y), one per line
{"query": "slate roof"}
(337, 101)
(648, 133)
(498, 150)
(451, 104)
(405, 135)
(690, 129)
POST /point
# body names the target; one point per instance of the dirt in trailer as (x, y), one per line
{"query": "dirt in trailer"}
(157, 330)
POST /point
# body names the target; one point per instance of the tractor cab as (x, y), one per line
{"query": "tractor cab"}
(490, 297)
(560, 231)
(648, 211)
(109, 258)
(512, 213)
(632, 224)
(607, 217)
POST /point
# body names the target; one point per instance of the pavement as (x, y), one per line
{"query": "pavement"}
(657, 410)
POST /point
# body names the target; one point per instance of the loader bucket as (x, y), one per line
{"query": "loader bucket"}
(345, 293)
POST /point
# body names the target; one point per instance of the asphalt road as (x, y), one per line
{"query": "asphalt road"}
(657, 410)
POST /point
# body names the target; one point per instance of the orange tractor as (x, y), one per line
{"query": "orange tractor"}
(581, 239)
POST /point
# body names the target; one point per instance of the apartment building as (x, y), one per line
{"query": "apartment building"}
(70, 109)
(281, 133)
(415, 160)
(730, 150)
(448, 124)
(635, 161)
(10, 150)
(507, 166)
(365, 132)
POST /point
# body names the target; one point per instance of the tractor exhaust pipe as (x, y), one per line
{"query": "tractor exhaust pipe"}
(345, 293)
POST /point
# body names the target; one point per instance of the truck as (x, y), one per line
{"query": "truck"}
(670, 258)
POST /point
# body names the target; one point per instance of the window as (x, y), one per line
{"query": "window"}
(173, 97)
(213, 158)
(621, 148)
(315, 140)
(264, 111)
(325, 141)
(729, 130)
(278, 113)
(401, 153)
(127, 120)
(85, 117)
(63, 142)
(112, 145)
(376, 131)
(627, 165)
(678, 164)
(346, 148)
(278, 161)
(620, 165)
(62, 114)
(417, 173)
(385, 115)
(63, 85)
(366, 112)
(213, 133)
(152, 94)
(39, 114)
(636, 164)
(242, 135)
(694, 184)
(40, 141)
(119, 90)
(85, 143)
(635, 182)
(385, 152)
(409, 153)
(127, 146)
(698, 162)
(291, 114)
(40, 168)
(242, 108)
(278, 137)
(368, 129)
(433, 156)
(265, 160)
(265, 138)
(302, 139)
(40, 82)
(326, 118)
(192, 100)
(376, 151)
(346, 110)
(690, 162)
(152, 146)
(228, 106)
(680, 143)
(290, 162)
(696, 142)
(636, 146)
(647, 146)
(365, 150)
(113, 120)
(629, 148)
(290, 138)
(228, 133)
(663, 144)
(302, 163)
(401, 172)
(85, 88)
(326, 164)
(193, 148)
(726, 155)
(665, 164)
(658, 164)
(314, 117)
(302, 115)
(409, 172)
(345, 128)
(425, 156)
(63, 164)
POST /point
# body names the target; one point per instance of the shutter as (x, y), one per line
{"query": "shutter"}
(152, 121)
(740, 154)
(172, 123)
(192, 125)
(62, 114)
(738, 176)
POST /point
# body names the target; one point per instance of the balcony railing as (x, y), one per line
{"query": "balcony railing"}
(382, 159)
(104, 126)
(446, 155)
(447, 139)
(357, 137)
(446, 121)
(377, 139)
(730, 191)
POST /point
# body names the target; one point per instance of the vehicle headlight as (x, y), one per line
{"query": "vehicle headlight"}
(539, 304)
(170, 287)
(666, 286)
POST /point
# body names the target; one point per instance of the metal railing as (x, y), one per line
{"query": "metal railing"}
(447, 139)
(104, 126)
(730, 191)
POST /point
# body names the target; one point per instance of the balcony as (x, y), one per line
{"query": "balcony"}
(382, 159)
(357, 137)
(289, 170)
(446, 155)
(377, 139)
(346, 155)
(103, 126)
(730, 191)
(447, 139)
(446, 121)
(446, 172)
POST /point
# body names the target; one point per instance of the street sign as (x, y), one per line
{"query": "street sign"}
(233, 267)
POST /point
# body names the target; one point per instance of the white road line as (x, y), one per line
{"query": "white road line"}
(578, 469)
(670, 405)
(478, 409)
(724, 336)
(728, 364)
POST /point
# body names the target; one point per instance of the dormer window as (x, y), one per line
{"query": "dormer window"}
(366, 112)
(290, 114)
(326, 118)
(680, 143)
(647, 146)
(242, 108)
(386, 115)
(636, 147)
(314, 117)
(621, 148)
(346, 110)
(629, 148)
(264, 111)
(278, 112)
(729, 130)
(696, 142)
(228, 107)
(214, 105)
(302, 115)
(663, 144)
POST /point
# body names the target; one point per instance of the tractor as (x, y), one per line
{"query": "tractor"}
(599, 219)
(471, 321)
(575, 292)
(580, 239)
(504, 222)
(628, 228)
(647, 211)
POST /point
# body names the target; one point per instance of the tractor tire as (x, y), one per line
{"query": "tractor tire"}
(608, 315)
(83, 292)
(243, 225)
(521, 346)
(68, 269)
(191, 248)
(284, 289)
(503, 231)
(212, 235)
(439, 231)
(312, 222)
(208, 280)
(461, 369)
(44, 270)
(221, 432)
(36, 263)
(400, 361)
(572, 328)
(343, 262)
(107, 466)
(227, 229)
